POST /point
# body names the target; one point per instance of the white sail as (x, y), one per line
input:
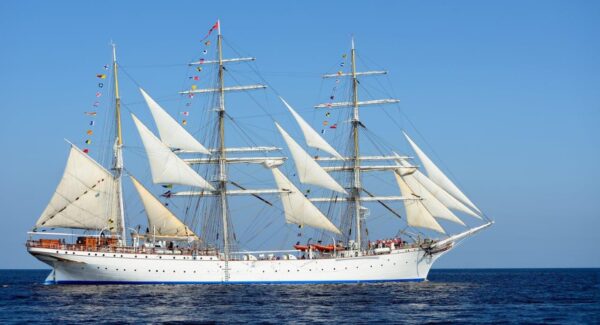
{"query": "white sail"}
(431, 203)
(436, 175)
(165, 166)
(417, 214)
(446, 199)
(309, 171)
(171, 132)
(160, 219)
(297, 208)
(85, 198)
(313, 139)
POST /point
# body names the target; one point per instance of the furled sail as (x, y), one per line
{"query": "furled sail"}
(165, 166)
(417, 214)
(436, 175)
(309, 171)
(313, 139)
(85, 197)
(171, 132)
(160, 219)
(297, 208)
(446, 199)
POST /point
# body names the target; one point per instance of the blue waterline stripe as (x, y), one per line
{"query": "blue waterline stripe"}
(233, 282)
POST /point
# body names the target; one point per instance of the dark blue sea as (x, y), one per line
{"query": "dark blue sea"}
(462, 296)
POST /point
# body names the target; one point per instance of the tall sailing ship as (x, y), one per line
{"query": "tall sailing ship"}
(203, 248)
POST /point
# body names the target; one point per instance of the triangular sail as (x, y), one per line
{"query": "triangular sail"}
(446, 199)
(165, 166)
(171, 132)
(160, 219)
(309, 171)
(436, 175)
(85, 198)
(417, 214)
(297, 208)
(431, 203)
(313, 139)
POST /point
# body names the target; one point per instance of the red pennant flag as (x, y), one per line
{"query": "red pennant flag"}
(215, 26)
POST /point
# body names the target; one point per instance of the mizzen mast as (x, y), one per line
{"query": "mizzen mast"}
(118, 150)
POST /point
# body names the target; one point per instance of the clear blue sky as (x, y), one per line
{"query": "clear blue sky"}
(507, 93)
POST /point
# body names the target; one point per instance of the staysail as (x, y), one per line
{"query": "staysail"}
(85, 198)
(309, 171)
(297, 208)
(417, 214)
(160, 219)
(171, 132)
(429, 201)
(313, 139)
(436, 175)
(446, 199)
(165, 166)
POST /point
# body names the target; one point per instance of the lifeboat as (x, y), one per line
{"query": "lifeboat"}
(322, 248)
(302, 248)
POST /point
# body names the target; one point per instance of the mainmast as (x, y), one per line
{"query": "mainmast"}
(356, 154)
(222, 159)
(118, 150)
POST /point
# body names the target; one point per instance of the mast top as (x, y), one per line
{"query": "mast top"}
(219, 27)
(352, 38)
(114, 50)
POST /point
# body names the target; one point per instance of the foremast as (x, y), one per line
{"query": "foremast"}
(356, 186)
(222, 188)
(355, 198)
(118, 151)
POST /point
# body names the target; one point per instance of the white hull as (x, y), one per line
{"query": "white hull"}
(411, 264)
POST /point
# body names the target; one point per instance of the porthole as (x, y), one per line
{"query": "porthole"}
(173, 257)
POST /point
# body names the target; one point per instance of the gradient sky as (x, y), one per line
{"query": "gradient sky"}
(507, 95)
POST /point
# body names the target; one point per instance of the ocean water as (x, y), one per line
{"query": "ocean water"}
(463, 296)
